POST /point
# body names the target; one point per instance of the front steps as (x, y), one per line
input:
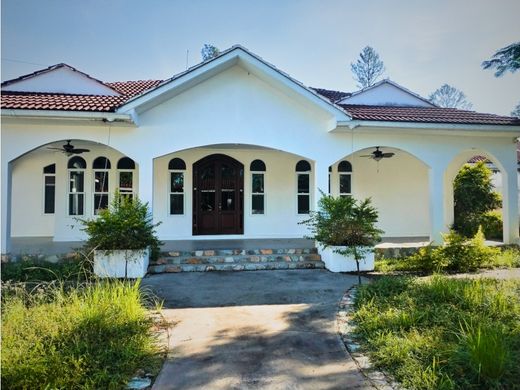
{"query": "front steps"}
(236, 260)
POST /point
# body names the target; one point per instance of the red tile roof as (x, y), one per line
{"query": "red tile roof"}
(425, 115)
(132, 88)
(333, 96)
(129, 89)
(68, 102)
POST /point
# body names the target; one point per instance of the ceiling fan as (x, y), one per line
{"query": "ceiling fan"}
(378, 154)
(69, 149)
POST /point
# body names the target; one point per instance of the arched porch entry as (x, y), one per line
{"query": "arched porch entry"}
(218, 195)
(52, 187)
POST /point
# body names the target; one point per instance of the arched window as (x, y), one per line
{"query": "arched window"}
(125, 163)
(177, 164)
(101, 163)
(125, 168)
(345, 178)
(76, 163)
(49, 188)
(76, 187)
(257, 168)
(303, 169)
(177, 168)
(101, 166)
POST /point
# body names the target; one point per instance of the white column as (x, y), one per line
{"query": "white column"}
(145, 181)
(321, 181)
(5, 194)
(510, 212)
(438, 222)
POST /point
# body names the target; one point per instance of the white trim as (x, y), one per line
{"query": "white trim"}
(78, 115)
(93, 186)
(390, 82)
(69, 171)
(45, 175)
(169, 192)
(256, 193)
(433, 128)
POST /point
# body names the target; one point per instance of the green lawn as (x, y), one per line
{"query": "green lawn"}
(441, 333)
(90, 336)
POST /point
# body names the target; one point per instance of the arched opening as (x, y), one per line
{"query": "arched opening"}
(267, 194)
(54, 184)
(397, 183)
(471, 179)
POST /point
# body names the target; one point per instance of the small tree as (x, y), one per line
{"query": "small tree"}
(474, 196)
(450, 97)
(347, 223)
(209, 51)
(368, 68)
(505, 59)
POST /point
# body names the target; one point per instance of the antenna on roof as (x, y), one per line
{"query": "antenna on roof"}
(187, 53)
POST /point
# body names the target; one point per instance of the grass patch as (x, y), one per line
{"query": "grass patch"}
(90, 336)
(442, 333)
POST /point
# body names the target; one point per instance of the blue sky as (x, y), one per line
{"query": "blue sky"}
(422, 43)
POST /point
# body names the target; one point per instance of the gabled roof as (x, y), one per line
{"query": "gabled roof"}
(26, 82)
(71, 102)
(227, 58)
(355, 96)
(332, 95)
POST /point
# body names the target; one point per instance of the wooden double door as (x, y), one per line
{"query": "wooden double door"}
(218, 195)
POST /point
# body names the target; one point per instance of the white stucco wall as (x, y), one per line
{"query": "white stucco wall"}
(385, 94)
(399, 190)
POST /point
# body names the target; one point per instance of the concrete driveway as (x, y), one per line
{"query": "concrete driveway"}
(255, 330)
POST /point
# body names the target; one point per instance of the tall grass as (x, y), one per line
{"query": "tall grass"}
(443, 333)
(91, 336)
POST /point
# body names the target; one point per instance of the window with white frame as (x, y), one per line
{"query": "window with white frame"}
(177, 168)
(345, 178)
(76, 188)
(303, 197)
(125, 170)
(49, 189)
(101, 167)
(257, 169)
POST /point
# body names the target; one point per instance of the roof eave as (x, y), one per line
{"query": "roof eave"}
(68, 115)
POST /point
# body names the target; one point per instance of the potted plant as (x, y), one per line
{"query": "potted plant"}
(122, 237)
(345, 229)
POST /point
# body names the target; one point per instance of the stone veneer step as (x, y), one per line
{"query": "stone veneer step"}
(236, 260)
(156, 269)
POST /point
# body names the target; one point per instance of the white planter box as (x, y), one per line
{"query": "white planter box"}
(335, 262)
(121, 263)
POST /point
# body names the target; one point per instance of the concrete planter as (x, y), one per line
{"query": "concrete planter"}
(335, 262)
(121, 263)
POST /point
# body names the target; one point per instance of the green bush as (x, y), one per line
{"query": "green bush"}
(90, 337)
(491, 223)
(474, 196)
(458, 254)
(441, 333)
(126, 224)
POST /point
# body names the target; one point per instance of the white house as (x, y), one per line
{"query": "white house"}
(234, 148)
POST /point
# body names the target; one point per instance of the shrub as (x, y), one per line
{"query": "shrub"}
(126, 224)
(491, 222)
(345, 222)
(474, 196)
(90, 337)
(39, 271)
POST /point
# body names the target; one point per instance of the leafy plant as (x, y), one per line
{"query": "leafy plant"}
(474, 196)
(347, 223)
(126, 224)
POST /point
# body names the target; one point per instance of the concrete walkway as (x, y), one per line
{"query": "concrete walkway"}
(255, 330)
